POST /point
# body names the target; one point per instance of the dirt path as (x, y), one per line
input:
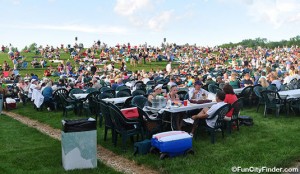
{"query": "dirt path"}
(107, 157)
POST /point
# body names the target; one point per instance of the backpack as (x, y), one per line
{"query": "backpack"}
(142, 147)
(245, 120)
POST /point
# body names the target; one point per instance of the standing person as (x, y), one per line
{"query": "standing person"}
(3, 48)
(93, 69)
(122, 65)
(169, 68)
(145, 56)
(15, 62)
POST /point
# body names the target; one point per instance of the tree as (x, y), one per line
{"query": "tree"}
(33, 47)
(263, 42)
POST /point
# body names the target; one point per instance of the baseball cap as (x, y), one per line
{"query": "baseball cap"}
(158, 86)
(33, 80)
(198, 82)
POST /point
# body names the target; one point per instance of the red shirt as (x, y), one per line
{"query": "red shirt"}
(230, 98)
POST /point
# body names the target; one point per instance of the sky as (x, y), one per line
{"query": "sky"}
(201, 22)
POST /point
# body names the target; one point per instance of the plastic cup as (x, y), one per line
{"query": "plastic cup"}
(185, 103)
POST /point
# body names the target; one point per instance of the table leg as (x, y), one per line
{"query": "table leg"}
(171, 121)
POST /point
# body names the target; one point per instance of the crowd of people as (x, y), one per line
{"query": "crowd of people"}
(188, 67)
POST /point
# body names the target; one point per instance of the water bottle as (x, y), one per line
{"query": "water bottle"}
(198, 96)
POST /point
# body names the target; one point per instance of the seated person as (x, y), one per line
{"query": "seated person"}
(264, 83)
(230, 98)
(208, 112)
(47, 73)
(209, 80)
(234, 82)
(197, 93)
(172, 82)
(42, 63)
(247, 81)
(33, 85)
(34, 62)
(156, 91)
(274, 80)
(5, 66)
(119, 83)
(172, 95)
(96, 84)
(47, 93)
(178, 81)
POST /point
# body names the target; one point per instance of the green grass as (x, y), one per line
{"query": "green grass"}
(26, 150)
(66, 57)
(270, 142)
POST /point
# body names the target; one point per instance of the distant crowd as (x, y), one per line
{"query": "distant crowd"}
(237, 66)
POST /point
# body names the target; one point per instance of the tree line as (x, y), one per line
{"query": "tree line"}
(263, 42)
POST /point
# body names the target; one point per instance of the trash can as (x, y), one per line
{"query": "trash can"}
(79, 144)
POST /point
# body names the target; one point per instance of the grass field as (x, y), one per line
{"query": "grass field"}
(26, 150)
(270, 142)
(66, 57)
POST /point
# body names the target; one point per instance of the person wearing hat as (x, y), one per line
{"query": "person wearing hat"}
(209, 80)
(156, 91)
(197, 92)
(33, 85)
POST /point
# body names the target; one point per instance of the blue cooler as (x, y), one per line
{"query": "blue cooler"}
(172, 143)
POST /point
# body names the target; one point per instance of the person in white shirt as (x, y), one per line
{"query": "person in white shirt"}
(197, 93)
(146, 78)
(296, 75)
(109, 67)
(208, 113)
(171, 82)
(274, 81)
(287, 78)
(32, 86)
(169, 67)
